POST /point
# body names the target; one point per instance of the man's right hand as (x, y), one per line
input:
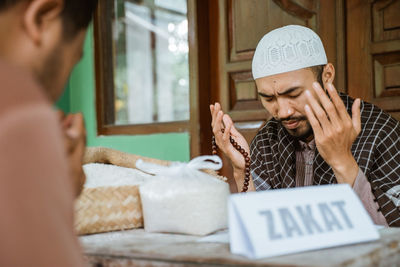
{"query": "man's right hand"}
(223, 121)
(73, 128)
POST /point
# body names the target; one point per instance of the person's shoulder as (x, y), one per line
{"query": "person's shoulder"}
(374, 119)
(19, 89)
(266, 132)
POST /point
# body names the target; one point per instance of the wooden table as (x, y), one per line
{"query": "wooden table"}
(138, 248)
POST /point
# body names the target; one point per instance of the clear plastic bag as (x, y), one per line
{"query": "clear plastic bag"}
(183, 199)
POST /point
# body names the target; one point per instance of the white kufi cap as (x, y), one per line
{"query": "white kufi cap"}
(286, 49)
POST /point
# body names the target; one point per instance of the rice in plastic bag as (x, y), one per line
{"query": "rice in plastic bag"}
(183, 199)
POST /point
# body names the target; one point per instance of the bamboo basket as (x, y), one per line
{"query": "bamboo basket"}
(112, 208)
(105, 209)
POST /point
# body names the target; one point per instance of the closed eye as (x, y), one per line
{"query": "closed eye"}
(265, 97)
(294, 96)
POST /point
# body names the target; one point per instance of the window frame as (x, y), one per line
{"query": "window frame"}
(104, 79)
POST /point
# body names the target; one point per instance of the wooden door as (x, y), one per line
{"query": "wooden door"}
(235, 27)
(373, 54)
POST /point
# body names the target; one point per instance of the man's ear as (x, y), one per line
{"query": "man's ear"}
(328, 74)
(38, 16)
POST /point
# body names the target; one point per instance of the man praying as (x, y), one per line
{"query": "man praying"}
(317, 135)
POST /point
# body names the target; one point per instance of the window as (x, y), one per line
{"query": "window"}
(142, 66)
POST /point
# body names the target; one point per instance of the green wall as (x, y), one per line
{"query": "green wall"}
(80, 97)
(64, 102)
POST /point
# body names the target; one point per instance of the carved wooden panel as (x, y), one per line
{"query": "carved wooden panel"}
(386, 20)
(387, 73)
(243, 92)
(373, 41)
(249, 20)
(387, 82)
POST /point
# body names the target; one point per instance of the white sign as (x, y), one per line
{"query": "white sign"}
(277, 222)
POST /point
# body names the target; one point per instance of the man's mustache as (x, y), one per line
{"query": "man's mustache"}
(293, 118)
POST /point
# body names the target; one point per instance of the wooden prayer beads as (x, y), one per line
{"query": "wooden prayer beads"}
(244, 154)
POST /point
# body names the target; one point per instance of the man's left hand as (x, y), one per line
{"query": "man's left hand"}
(334, 130)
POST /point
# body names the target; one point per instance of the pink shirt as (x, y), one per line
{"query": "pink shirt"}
(36, 193)
(304, 177)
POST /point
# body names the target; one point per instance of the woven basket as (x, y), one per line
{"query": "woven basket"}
(111, 208)
(105, 209)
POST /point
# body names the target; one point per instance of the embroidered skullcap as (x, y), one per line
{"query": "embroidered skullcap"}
(286, 49)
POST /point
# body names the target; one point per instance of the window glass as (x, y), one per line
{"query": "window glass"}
(151, 69)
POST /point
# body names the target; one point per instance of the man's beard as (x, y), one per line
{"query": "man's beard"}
(297, 133)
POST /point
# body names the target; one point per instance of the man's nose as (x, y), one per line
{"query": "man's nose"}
(285, 110)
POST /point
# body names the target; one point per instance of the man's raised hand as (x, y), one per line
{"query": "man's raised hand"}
(334, 130)
(223, 121)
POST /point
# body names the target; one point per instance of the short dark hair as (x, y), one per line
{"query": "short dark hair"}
(318, 70)
(76, 14)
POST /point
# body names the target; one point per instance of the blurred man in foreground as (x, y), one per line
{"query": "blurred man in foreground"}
(40, 156)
